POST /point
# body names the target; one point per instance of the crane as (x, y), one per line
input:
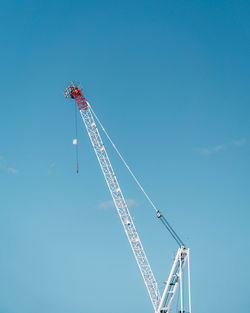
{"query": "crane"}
(161, 303)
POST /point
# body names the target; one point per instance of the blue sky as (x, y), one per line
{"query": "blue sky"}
(170, 82)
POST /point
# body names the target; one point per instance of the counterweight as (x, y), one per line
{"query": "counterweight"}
(116, 193)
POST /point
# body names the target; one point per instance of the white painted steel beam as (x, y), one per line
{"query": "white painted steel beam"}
(121, 206)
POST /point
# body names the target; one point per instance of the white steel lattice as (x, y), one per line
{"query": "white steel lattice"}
(174, 279)
(160, 304)
(121, 206)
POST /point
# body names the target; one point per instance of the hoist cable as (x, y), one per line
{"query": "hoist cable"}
(124, 162)
(77, 167)
(159, 214)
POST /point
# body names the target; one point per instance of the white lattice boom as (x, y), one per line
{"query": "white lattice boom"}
(160, 304)
(118, 198)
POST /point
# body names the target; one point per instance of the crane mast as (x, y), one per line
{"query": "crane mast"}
(161, 304)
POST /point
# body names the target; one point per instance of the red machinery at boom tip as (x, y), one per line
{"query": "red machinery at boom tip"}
(74, 92)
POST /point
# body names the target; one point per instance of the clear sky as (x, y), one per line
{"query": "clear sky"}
(170, 82)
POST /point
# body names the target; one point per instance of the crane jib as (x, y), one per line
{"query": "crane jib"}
(160, 304)
(117, 195)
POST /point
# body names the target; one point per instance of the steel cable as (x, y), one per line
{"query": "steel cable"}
(159, 214)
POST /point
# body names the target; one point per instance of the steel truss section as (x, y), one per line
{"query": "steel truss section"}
(160, 304)
(120, 203)
(175, 278)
